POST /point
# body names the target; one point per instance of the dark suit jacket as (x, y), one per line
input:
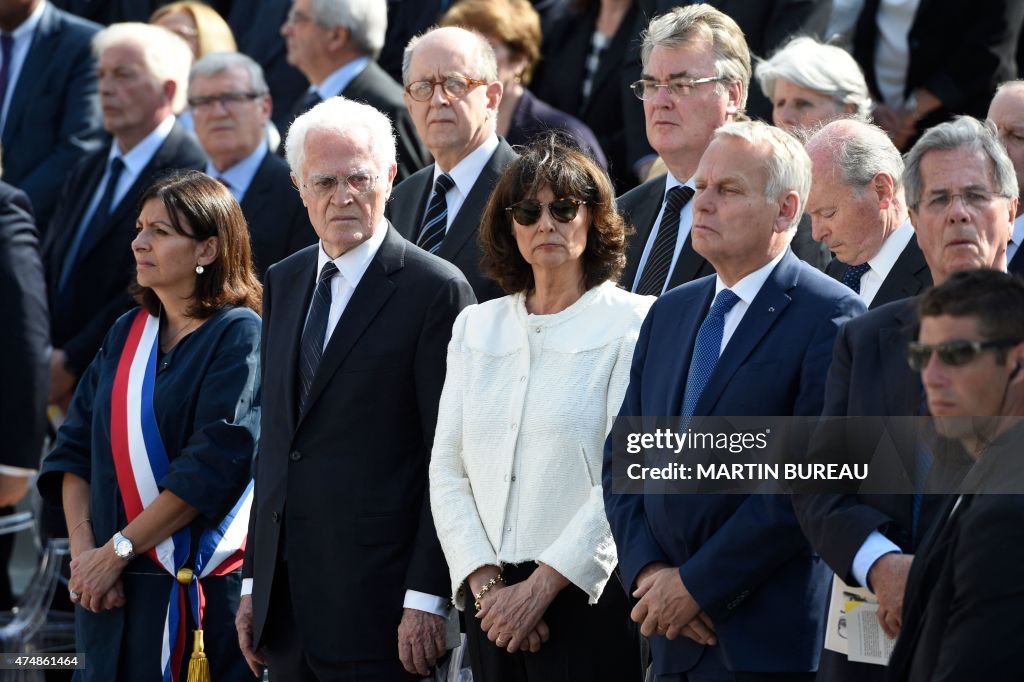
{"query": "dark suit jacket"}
(959, 51)
(909, 276)
(278, 222)
(111, 11)
(99, 294)
(24, 345)
(640, 207)
(54, 116)
(559, 77)
(375, 87)
(1016, 266)
(533, 117)
(963, 613)
(338, 483)
(461, 244)
(743, 558)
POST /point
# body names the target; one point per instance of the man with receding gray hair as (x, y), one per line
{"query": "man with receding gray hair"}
(344, 576)
(858, 209)
(452, 92)
(230, 105)
(728, 587)
(335, 44)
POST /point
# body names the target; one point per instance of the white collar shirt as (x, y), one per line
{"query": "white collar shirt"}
(746, 289)
(685, 224)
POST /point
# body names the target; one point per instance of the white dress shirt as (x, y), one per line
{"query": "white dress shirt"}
(892, 53)
(464, 174)
(685, 224)
(746, 289)
(23, 36)
(883, 261)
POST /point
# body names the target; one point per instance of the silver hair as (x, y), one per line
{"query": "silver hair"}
(216, 63)
(859, 151)
(166, 55)
(962, 132)
(825, 69)
(483, 54)
(1010, 85)
(341, 116)
(789, 167)
(682, 25)
(366, 21)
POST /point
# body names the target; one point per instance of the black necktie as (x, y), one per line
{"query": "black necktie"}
(435, 221)
(311, 99)
(659, 260)
(851, 277)
(311, 347)
(95, 229)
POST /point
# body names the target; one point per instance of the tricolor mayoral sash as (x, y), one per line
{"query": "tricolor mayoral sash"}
(140, 460)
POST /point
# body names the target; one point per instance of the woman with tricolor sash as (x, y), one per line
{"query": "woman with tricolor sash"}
(153, 462)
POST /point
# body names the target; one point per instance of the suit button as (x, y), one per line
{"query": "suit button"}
(276, 517)
(295, 456)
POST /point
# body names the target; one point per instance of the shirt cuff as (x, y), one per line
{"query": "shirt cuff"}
(21, 472)
(875, 546)
(246, 587)
(421, 601)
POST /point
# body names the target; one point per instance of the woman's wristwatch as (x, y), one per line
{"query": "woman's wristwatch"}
(123, 547)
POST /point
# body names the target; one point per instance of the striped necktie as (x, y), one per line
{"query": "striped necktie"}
(659, 260)
(435, 222)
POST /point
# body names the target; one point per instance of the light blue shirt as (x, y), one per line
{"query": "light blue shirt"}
(239, 176)
(339, 80)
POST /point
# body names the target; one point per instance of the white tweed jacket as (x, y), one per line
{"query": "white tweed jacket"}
(515, 473)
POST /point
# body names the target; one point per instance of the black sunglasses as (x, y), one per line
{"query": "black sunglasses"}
(955, 353)
(527, 212)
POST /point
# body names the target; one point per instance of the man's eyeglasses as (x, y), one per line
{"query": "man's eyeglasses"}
(227, 99)
(678, 87)
(955, 353)
(972, 198)
(455, 87)
(527, 212)
(358, 182)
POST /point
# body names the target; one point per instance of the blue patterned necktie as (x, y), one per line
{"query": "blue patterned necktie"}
(659, 260)
(435, 221)
(706, 349)
(851, 277)
(311, 347)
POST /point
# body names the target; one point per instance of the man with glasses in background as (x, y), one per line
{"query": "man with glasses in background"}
(230, 106)
(961, 194)
(452, 92)
(964, 608)
(335, 43)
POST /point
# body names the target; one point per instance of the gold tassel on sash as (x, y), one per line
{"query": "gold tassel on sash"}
(198, 664)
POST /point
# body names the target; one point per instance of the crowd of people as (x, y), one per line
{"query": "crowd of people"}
(322, 312)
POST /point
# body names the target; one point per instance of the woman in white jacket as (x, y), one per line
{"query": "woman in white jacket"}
(534, 381)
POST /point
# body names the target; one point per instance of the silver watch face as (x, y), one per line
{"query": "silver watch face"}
(123, 548)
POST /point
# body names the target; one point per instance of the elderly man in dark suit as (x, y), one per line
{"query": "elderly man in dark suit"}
(962, 195)
(1007, 114)
(143, 73)
(334, 44)
(859, 210)
(964, 609)
(49, 112)
(24, 369)
(729, 589)
(452, 91)
(343, 565)
(230, 106)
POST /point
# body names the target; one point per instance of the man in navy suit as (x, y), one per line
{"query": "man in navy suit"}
(49, 112)
(859, 210)
(143, 73)
(728, 587)
(230, 105)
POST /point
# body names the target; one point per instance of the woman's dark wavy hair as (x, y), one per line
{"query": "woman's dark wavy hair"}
(555, 162)
(206, 205)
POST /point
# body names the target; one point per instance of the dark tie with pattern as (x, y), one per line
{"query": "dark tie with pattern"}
(659, 260)
(95, 229)
(311, 99)
(706, 349)
(851, 277)
(312, 345)
(435, 221)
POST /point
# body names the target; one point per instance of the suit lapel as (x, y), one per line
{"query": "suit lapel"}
(611, 57)
(293, 319)
(467, 222)
(689, 266)
(30, 81)
(766, 308)
(686, 330)
(369, 297)
(58, 240)
(908, 276)
(407, 214)
(642, 219)
(902, 387)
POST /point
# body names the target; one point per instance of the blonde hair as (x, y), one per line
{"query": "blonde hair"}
(212, 33)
